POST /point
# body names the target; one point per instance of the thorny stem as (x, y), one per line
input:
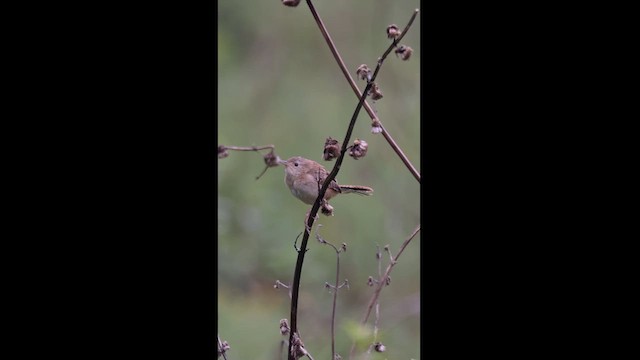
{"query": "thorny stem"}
(383, 281)
(355, 89)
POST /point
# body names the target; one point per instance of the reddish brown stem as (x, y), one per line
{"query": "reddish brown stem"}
(249, 148)
(355, 89)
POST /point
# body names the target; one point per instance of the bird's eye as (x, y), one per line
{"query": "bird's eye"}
(295, 164)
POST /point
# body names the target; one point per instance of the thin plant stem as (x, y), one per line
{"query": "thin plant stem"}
(249, 148)
(336, 287)
(333, 310)
(316, 205)
(379, 257)
(222, 153)
(279, 356)
(375, 332)
(383, 281)
(375, 323)
(312, 216)
(355, 89)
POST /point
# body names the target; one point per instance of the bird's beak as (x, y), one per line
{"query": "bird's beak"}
(282, 162)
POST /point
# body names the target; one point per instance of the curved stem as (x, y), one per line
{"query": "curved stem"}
(336, 168)
(312, 215)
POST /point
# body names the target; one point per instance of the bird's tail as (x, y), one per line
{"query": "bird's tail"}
(356, 189)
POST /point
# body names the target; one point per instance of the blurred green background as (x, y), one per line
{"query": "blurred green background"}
(279, 84)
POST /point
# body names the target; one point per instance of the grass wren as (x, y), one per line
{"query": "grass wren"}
(305, 177)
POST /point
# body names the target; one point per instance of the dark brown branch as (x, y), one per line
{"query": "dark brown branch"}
(312, 216)
(355, 89)
(336, 168)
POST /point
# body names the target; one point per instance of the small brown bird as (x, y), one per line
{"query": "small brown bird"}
(305, 177)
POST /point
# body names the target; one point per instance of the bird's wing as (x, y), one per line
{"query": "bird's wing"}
(333, 185)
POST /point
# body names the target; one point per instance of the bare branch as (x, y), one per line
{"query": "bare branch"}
(270, 159)
(383, 281)
(336, 168)
(355, 89)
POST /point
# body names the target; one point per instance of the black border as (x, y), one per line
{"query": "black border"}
(128, 260)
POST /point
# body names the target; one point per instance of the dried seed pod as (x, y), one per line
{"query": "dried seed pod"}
(271, 159)
(379, 347)
(404, 52)
(370, 281)
(376, 127)
(327, 209)
(375, 92)
(223, 347)
(331, 149)
(393, 32)
(364, 72)
(358, 149)
(292, 3)
(284, 327)
(297, 347)
(222, 152)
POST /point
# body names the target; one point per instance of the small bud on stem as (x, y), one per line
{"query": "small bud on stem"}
(393, 32)
(292, 3)
(331, 149)
(358, 149)
(404, 52)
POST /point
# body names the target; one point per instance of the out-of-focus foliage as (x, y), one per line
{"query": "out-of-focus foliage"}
(279, 84)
